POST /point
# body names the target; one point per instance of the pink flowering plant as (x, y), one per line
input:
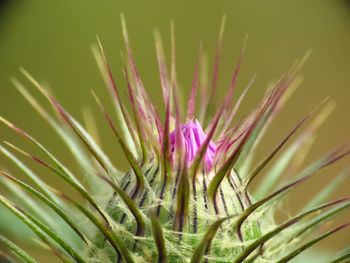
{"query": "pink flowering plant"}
(192, 138)
(187, 196)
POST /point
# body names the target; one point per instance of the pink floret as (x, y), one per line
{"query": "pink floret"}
(193, 137)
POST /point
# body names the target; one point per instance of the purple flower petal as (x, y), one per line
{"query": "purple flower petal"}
(193, 137)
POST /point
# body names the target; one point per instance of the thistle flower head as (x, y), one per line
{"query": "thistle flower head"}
(187, 196)
(192, 138)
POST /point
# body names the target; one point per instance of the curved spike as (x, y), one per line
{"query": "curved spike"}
(17, 250)
(309, 244)
(306, 174)
(82, 191)
(140, 180)
(264, 162)
(227, 166)
(135, 74)
(255, 244)
(116, 242)
(305, 137)
(174, 86)
(77, 128)
(51, 204)
(205, 243)
(40, 229)
(138, 120)
(236, 107)
(41, 148)
(328, 190)
(164, 78)
(182, 199)
(210, 106)
(158, 237)
(308, 226)
(30, 174)
(66, 135)
(192, 101)
(178, 147)
(227, 103)
(63, 258)
(122, 113)
(165, 155)
(229, 96)
(141, 226)
(341, 258)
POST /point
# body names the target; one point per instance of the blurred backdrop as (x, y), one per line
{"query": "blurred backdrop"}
(53, 39)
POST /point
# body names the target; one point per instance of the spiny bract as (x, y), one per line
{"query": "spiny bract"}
(185, 198)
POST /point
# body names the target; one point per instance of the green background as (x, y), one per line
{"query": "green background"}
(52, 40)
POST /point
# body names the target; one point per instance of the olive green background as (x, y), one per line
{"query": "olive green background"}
(52, 40)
